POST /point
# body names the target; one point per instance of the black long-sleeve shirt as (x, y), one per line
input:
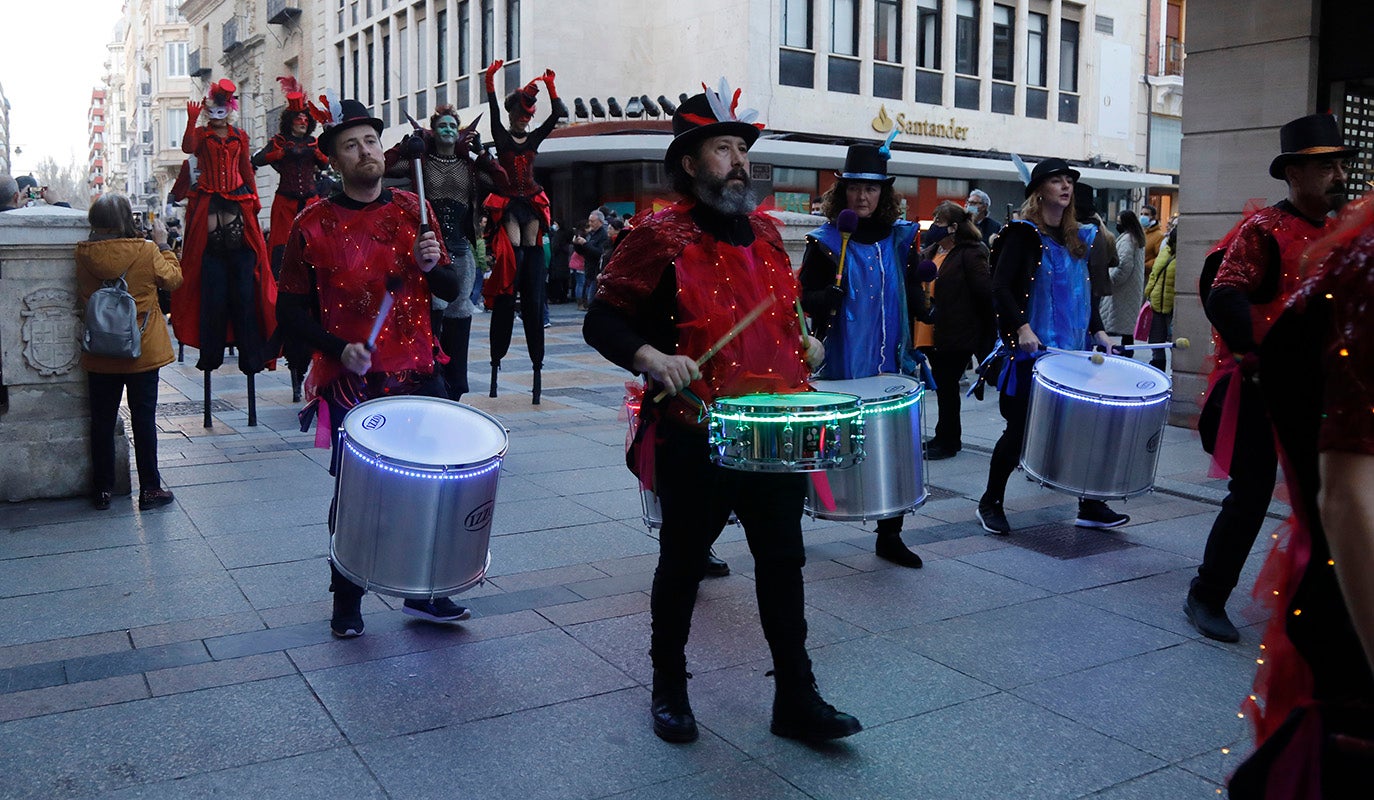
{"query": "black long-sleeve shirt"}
(1019, 257)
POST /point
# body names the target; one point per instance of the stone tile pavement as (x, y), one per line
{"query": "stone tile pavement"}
(185, 652)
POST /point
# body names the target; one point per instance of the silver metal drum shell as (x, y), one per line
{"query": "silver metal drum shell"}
(413, 535)
(890, 480)
(764, 446)
(1093, 448)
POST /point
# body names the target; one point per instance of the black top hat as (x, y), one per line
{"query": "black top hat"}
(1312, 136)
(694, 122)
(351, 113)
(865, 162)
(1047, 169)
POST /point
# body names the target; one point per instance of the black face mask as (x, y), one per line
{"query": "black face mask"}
(1120, 228)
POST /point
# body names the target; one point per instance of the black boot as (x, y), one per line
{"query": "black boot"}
(494, 367)
(673, 719)
(799, 712)
(1206, 610)
(890, 546)
(297, 379)
(537, 385)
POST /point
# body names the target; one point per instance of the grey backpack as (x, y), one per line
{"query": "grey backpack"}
(112, 328)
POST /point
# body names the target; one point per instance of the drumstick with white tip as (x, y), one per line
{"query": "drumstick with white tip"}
(728, 337)
(393, 282)
(1180, 343)
(1092, 356)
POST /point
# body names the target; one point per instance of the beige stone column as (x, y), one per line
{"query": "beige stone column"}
(45, 419)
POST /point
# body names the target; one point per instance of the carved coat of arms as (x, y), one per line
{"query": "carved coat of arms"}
(51, 332)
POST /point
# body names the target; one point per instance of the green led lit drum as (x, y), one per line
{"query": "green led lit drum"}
(891, 480)
(799, 432)
(1094, 430)
(414, 495)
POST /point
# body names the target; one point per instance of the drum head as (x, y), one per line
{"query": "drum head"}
(802, 402)
(425, 430)
(1116, 377)
(874, 389)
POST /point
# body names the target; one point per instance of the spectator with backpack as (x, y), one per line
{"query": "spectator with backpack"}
(116, 254)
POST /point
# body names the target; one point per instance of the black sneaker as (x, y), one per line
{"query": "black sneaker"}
(101, 501)
(1096, 514)
(992, 518)
(440, 609)
(936, 451)
(347, 621)
(716, 567)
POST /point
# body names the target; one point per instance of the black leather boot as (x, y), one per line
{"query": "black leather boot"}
(1206, 610)
(799, 712)
(494, 367)
(890, 546)
(673, 719)
(297, 379)
(537, 385)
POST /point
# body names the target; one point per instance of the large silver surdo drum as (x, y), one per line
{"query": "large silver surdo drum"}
(891, 479)
(651, 509)
(414, 495)
(1094, 430)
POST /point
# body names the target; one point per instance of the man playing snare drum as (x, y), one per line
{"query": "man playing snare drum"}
(678, 282)
(343, 255)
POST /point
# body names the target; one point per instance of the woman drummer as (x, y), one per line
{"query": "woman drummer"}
(1043, 299)
(863, 315)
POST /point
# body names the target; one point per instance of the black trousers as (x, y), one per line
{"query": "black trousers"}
(697, 497)
(1254, 470)
(453, 338)
(433, 386)
(106, 390)
(947, 366)
(229, 294)
(530, 282)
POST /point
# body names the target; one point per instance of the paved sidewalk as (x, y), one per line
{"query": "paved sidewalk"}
(185, 652)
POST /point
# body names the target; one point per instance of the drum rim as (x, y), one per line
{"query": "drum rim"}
(1038, 376)
(918, 387)
(730, 408)
(477, 465)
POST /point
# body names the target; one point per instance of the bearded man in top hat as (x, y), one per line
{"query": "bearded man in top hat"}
(659, 305)
(1257, 269)
(342, 256)
(864, 315)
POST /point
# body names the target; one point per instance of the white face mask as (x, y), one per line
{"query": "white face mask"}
(217, 112)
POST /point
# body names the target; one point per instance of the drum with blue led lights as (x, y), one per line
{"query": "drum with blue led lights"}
(414, 495)
(799, 432)
(1094, 430)
(891, 480)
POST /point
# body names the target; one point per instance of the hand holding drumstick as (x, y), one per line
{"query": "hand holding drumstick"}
(674, 367)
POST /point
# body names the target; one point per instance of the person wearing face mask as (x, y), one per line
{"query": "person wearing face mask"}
(1154, 232)
(863, 315)
(1121, 308)
(1043, 297)
(227, 274)
(978, 207)
(452, 162)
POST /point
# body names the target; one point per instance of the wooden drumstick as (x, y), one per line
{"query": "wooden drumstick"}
(1180, 343)
(728, 337)
(1094, 357)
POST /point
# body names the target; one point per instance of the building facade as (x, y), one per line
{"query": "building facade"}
(964, 82)
(5, 157)
(95, 159)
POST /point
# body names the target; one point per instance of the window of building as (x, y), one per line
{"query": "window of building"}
(844, 27)
(441, 50)
(341, 18)
(1003, 42)
(421, 51)
(1068, 71)
(1166, 140)
(176, 126)
(1037, 50)
(357, 83)
(1173, 38)
(387, 69)
(928, 34)
(343, 69)
(488, 31)
(796, 64)
(403, 62)
(176, 60)
(172, 11)
(966, 37)
(512, 30)
(371, 64)
(887, 30)
(465, 38)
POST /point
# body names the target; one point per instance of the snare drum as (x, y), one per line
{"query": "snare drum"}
(1094, 430)
(801, 432)
(414, 495)
(891, 479)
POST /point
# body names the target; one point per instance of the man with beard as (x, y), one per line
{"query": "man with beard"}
(659, 305)
(1260, 269)
(341, 256)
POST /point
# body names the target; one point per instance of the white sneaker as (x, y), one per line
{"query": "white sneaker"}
(478, 308)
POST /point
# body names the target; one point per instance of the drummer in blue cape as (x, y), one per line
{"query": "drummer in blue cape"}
(1043, 299)
(700, 298)
(855, 287)
(356, 285)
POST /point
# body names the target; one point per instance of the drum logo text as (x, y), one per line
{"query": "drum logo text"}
(1153, 444)
(374, 422)
(1146, 385)
(479, 517)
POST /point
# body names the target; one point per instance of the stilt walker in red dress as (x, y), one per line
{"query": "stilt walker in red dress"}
(228, 294)
(296, 157)
(519, 209)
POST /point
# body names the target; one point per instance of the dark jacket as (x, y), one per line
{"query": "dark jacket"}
(961, 309)
(592, 250)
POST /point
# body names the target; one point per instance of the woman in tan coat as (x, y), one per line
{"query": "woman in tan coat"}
(114, 249)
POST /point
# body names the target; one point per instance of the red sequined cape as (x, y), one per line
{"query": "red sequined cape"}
(353, 252)
(221, 158)
(717, 285)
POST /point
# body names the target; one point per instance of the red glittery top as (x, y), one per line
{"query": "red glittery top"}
(717, 285)
(1269, 233)
(352, 252)
(223, 163)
